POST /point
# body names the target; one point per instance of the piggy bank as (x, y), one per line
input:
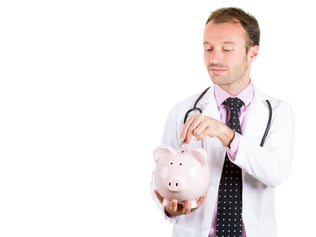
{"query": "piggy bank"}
(182, 175)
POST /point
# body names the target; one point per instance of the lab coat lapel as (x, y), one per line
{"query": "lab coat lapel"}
(209, 106)
(257, 118)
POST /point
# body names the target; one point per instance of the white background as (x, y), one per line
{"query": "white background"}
(85, 88)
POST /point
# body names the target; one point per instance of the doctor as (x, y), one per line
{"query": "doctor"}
(231, 44)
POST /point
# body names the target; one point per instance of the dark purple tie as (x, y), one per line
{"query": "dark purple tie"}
(229, 206)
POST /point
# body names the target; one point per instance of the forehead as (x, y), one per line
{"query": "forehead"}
(224, 33)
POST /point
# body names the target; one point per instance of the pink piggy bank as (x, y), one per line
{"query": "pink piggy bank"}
(182, 175)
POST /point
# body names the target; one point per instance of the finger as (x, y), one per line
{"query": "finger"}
(159, 197)
(172, 206)
(208, 131)
(186, 207)
(184, 131)
(187, 130)
(198, 126)
(201, 200)
(201, 129)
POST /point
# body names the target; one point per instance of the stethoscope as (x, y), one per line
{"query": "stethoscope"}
(195, 108)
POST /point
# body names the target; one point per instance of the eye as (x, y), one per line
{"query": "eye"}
(208, 48)
(171, 163)
(180, 164)
(227, 49)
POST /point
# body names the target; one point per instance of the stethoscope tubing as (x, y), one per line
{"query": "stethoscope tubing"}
(195, 108)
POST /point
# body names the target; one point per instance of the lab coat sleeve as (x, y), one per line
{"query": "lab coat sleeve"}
(271, 163)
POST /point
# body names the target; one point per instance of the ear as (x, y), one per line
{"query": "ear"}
(200, 155)
(162, 151)
(253, 52)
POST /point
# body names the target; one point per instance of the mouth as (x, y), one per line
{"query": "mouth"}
(217, 70)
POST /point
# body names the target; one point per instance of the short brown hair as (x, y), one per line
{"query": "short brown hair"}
(237, 15)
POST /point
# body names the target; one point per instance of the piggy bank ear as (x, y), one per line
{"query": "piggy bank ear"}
(162, 151)
(200, 155)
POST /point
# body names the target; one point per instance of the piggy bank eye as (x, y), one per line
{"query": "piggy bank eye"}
(180, 164)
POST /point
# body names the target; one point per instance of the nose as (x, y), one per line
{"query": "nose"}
(174, 185)
(213, 57)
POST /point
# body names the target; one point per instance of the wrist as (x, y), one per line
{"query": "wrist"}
(227, 136)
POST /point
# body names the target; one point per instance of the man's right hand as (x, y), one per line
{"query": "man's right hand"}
(174, 208)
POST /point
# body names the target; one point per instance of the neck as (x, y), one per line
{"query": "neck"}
(234, 89)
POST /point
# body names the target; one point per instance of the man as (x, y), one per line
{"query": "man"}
(231, 44)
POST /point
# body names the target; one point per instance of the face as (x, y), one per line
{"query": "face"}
(225, 56)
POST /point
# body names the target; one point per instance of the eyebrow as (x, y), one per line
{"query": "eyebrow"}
(225, 42)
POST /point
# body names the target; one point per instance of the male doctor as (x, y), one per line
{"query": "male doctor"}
(231, 44)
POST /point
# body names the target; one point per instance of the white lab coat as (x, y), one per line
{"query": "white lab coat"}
(263, 168)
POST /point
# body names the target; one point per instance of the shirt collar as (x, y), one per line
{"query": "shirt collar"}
(245, 95)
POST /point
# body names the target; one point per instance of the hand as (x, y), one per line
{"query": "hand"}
(174, 208)
(199, 126)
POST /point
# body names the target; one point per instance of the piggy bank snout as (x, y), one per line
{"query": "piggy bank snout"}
(174, 185)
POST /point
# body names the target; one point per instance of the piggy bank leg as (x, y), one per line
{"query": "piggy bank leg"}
(193, 204)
